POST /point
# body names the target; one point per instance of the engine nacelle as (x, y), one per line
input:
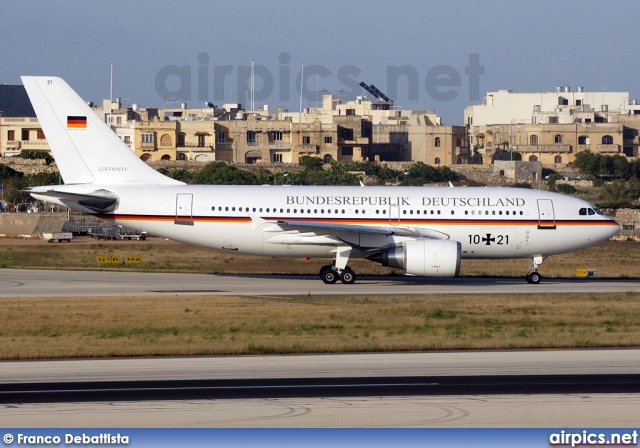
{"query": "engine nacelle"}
(426, 258)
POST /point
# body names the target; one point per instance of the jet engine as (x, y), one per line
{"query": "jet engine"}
(426, 258)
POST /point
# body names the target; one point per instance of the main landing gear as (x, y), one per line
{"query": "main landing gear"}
(339, 269)
(330, 275)
(534, 277)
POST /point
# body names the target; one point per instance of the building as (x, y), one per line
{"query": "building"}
(551, 127)
(252, 138)
(19, 127)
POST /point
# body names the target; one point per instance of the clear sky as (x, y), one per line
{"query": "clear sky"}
(450, 52)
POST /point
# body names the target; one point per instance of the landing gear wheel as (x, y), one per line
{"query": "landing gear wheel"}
(348, 277)
(324, 268)
(329, 276)
(533, 278)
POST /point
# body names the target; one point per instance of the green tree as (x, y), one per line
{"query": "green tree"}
(311, 163)
(420, 174)
(565, 188)
(587, 162)
(620, 191)
(32, 154)
(621, 168)
(178, 174)
(220, 173)
(7, 172)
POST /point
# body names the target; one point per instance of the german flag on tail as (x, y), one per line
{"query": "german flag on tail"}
(75, 122)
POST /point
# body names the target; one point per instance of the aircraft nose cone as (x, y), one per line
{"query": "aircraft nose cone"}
(615, 229)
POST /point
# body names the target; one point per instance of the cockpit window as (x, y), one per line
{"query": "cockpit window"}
(590, 211)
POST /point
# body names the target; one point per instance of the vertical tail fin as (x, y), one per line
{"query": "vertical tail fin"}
(84, 146)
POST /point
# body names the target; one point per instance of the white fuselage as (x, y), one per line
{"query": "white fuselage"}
(488, 222)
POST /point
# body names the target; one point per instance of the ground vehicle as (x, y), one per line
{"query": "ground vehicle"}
(130, 234)
(57, 236)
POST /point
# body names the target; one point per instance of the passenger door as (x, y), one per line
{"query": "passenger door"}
(546, 216)
(184, 207)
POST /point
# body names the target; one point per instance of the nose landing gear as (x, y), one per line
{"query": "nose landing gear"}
(534, 277)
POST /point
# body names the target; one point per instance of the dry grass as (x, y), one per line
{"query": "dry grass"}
(180, 325)
(612, 259)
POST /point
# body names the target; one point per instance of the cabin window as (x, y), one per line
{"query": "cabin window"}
(583, 211)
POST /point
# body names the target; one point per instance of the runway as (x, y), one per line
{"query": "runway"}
(484, 388)
(31, 283)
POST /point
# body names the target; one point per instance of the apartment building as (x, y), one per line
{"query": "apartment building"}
(250, 138)
(19, 127)
(551, 127)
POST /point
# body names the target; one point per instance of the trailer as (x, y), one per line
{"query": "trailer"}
(128, 234)
(51, 237)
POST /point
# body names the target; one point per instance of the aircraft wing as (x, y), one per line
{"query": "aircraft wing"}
(329, 228)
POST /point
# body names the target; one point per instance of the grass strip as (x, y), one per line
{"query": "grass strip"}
(68, 327)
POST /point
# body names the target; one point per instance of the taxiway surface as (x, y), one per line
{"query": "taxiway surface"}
(31, 283)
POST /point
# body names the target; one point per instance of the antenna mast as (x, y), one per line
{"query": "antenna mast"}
(301, 87)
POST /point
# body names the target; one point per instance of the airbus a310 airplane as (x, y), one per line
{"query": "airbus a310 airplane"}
(425, 231)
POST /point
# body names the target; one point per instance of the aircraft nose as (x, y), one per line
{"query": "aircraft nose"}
(615, 229)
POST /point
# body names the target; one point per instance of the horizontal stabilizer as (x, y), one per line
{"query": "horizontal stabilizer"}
(98, 201)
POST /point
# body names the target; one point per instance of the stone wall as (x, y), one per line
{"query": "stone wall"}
(30, 225)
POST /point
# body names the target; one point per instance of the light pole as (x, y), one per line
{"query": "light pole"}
(275, 179)
(1, 131)
(406, 173)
